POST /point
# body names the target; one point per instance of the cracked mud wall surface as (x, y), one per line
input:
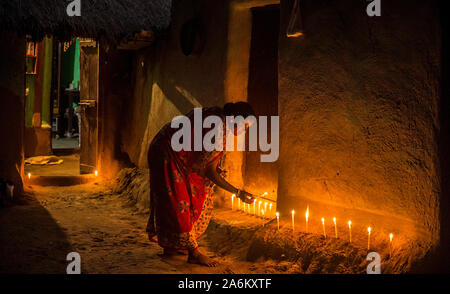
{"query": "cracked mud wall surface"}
(358, 106)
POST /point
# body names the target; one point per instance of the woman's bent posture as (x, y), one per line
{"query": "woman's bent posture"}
(181, 187)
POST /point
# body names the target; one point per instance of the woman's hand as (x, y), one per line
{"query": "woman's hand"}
(246, 197)
(212, 173)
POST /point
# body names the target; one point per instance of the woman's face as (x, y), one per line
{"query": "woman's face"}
(241, 128)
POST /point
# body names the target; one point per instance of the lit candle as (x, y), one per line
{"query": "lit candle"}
(278, 220)
(254, 206)
(350, 230)
(270, 210)
(265, 206)
(29, 175)
(323, 226)
(232, 201)
(293, 224)
(96, 173)
(369, 230)
(259, 207)
(335, 227)
(307, 216)
(390, 243)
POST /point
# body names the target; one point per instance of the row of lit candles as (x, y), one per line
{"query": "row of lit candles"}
(369, 229)
(251, 208)
(261, 213)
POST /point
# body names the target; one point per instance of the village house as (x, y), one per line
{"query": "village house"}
(359, 99)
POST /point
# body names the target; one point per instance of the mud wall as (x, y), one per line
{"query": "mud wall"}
(168, 83)
(161, 82)
(358, 106)
(12, 112)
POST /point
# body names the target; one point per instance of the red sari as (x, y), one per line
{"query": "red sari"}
(180, 195)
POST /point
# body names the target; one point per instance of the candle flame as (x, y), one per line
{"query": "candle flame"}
(307, 212)
(369, 229)
(334, 220)
(293, 212)
(234, 195)
(390, 237)
(323, 221)
(29, 175)
(277, 214)
(349, 223)
(96, 173)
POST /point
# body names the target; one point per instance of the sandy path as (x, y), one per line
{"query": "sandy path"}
(101, 226)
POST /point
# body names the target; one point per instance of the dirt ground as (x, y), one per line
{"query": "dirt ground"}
(103, 227)
(107, 229)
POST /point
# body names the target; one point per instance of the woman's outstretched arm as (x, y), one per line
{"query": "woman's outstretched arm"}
(216, 178)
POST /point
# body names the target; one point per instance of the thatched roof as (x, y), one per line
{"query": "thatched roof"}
(113, 19)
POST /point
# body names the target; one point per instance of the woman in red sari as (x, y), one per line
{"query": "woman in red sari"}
(181, 187)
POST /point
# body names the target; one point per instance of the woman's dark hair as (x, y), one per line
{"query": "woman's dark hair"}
(238, 109)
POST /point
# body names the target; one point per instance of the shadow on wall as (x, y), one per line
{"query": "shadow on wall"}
(167, 83)
(196, 79)
(31, 241)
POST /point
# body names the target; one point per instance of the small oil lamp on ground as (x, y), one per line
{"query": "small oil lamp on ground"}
(390, 243)
(323, 227)
(350, 230)
(335, 228)
(278, 220)
(306, 217)
(293, 223)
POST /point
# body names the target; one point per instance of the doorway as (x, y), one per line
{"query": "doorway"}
(61, 106)
(261, 177)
